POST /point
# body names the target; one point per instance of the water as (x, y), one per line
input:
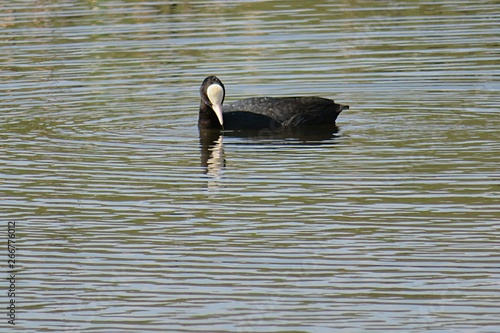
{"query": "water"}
(126, 221)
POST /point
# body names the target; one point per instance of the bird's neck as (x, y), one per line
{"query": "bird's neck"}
(207, 118)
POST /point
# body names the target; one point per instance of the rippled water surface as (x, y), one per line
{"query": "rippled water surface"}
(128, 221)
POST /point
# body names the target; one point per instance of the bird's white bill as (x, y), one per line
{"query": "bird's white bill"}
(215, 94)
(218, 111)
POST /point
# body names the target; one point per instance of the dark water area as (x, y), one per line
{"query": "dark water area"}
(130, 220)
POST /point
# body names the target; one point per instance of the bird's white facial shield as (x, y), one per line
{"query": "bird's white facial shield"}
(215, 95)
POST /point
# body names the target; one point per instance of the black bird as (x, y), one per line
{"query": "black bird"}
(262, 112)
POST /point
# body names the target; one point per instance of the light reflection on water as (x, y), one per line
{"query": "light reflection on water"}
(129, 220)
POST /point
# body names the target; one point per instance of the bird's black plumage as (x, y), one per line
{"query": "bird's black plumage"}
(263, 112)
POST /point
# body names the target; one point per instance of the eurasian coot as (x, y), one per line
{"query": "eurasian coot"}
(262, 112)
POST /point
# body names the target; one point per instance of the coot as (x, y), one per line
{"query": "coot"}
(262, 112)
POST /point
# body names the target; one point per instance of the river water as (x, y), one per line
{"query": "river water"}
(128, 221)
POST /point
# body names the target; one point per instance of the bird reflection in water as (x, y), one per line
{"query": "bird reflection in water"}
(212, 153)
(213, 160)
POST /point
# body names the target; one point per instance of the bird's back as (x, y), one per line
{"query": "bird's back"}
(290, 111)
